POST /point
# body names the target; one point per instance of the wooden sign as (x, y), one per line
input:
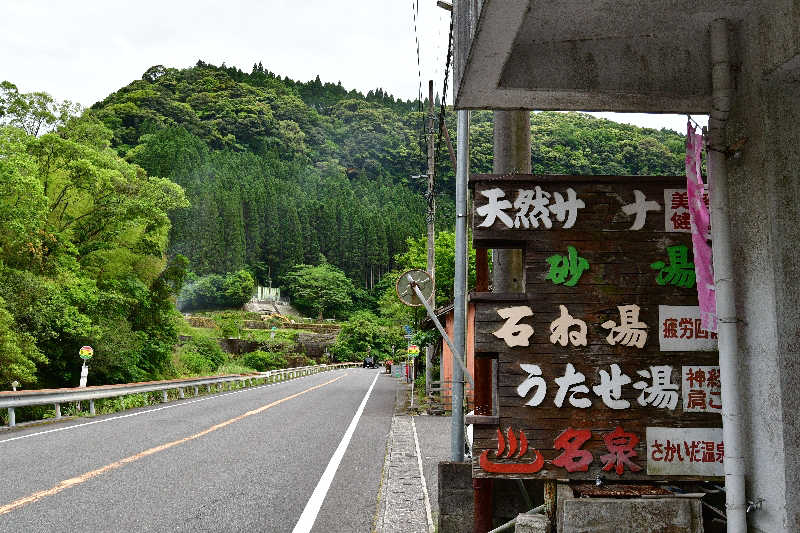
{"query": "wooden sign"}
(605, 347)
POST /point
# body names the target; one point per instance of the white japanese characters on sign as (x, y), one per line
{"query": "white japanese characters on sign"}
(640, 207)
(534, 379)
(630, 331)
(680, 329)
(561, 333)
(701, 389)
(685, 451)
(532, 209)
(657, 388)
(512, 332)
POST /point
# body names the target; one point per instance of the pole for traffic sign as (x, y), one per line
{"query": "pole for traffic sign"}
(86, 353)
(456, 355)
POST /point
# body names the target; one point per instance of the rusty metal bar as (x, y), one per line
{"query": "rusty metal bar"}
(550, 490)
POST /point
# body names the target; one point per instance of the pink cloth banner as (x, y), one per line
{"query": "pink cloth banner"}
(701, 229)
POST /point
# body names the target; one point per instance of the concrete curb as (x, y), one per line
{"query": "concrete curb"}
(402, 505)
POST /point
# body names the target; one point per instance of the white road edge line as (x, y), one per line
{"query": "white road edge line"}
(428, 514)
(309, 514)
(146, 411)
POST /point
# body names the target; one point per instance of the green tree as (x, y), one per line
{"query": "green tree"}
(81, 249)
(19, 355)
(35, 113)
(321, 289)
(365, 332)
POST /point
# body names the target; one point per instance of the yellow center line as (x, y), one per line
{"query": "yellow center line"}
(67, 483)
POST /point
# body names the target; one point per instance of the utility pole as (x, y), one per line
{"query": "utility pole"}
(462, 37)
(431, 217)
(512, 155)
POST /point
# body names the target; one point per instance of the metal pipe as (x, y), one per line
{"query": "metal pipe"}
(510, 523)
(723, 280)
(457, 357)
(460, 287)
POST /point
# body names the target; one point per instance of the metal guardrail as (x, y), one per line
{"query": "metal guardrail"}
(24, 398)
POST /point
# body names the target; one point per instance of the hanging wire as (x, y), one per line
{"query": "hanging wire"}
(443, 102)
(422, 133)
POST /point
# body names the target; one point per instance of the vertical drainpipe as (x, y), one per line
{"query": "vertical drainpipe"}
(722, 87)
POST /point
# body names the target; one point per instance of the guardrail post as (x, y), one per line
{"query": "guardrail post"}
(12, 417)
(91, 408)
(208, 388)
(164, 395)
(196, 391)
(180, 393)
(58, 410)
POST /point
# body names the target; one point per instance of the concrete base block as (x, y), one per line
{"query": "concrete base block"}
(456, 506)
(607, 515)
(532, 523)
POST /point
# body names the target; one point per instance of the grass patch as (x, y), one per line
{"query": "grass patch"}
(263, 335)
(232, 367)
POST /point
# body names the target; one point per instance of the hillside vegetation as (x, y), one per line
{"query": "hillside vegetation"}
(190, 173)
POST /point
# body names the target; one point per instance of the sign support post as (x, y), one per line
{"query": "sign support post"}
(86, 353)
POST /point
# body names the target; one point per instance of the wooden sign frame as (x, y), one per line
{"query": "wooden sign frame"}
(592, 265)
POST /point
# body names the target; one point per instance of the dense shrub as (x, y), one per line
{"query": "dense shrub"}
(201, 355)
(195, 363)
(263, 361)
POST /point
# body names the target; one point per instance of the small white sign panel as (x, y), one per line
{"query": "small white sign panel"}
(701, 389)
(680, 330)
(685, 452)
(676, 210)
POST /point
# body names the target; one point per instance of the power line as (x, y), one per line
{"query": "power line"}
(415, 15)
(443, 102)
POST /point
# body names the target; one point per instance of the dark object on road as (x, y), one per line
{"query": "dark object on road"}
(369, 362)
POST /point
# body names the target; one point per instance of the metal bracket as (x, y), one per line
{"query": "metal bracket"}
(754, 505)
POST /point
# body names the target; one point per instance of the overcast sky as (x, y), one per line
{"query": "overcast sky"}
(82, 50)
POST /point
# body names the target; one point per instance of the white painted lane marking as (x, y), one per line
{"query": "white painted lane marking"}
(428, 514)
(309, 515)
(153, 410)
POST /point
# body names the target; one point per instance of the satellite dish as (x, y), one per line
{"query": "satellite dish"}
(406, 292)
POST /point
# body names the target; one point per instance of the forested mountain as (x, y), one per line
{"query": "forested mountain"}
(279, 171)
(233, 171)
(275, 180)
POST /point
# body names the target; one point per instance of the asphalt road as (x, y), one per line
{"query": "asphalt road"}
(242, 461)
